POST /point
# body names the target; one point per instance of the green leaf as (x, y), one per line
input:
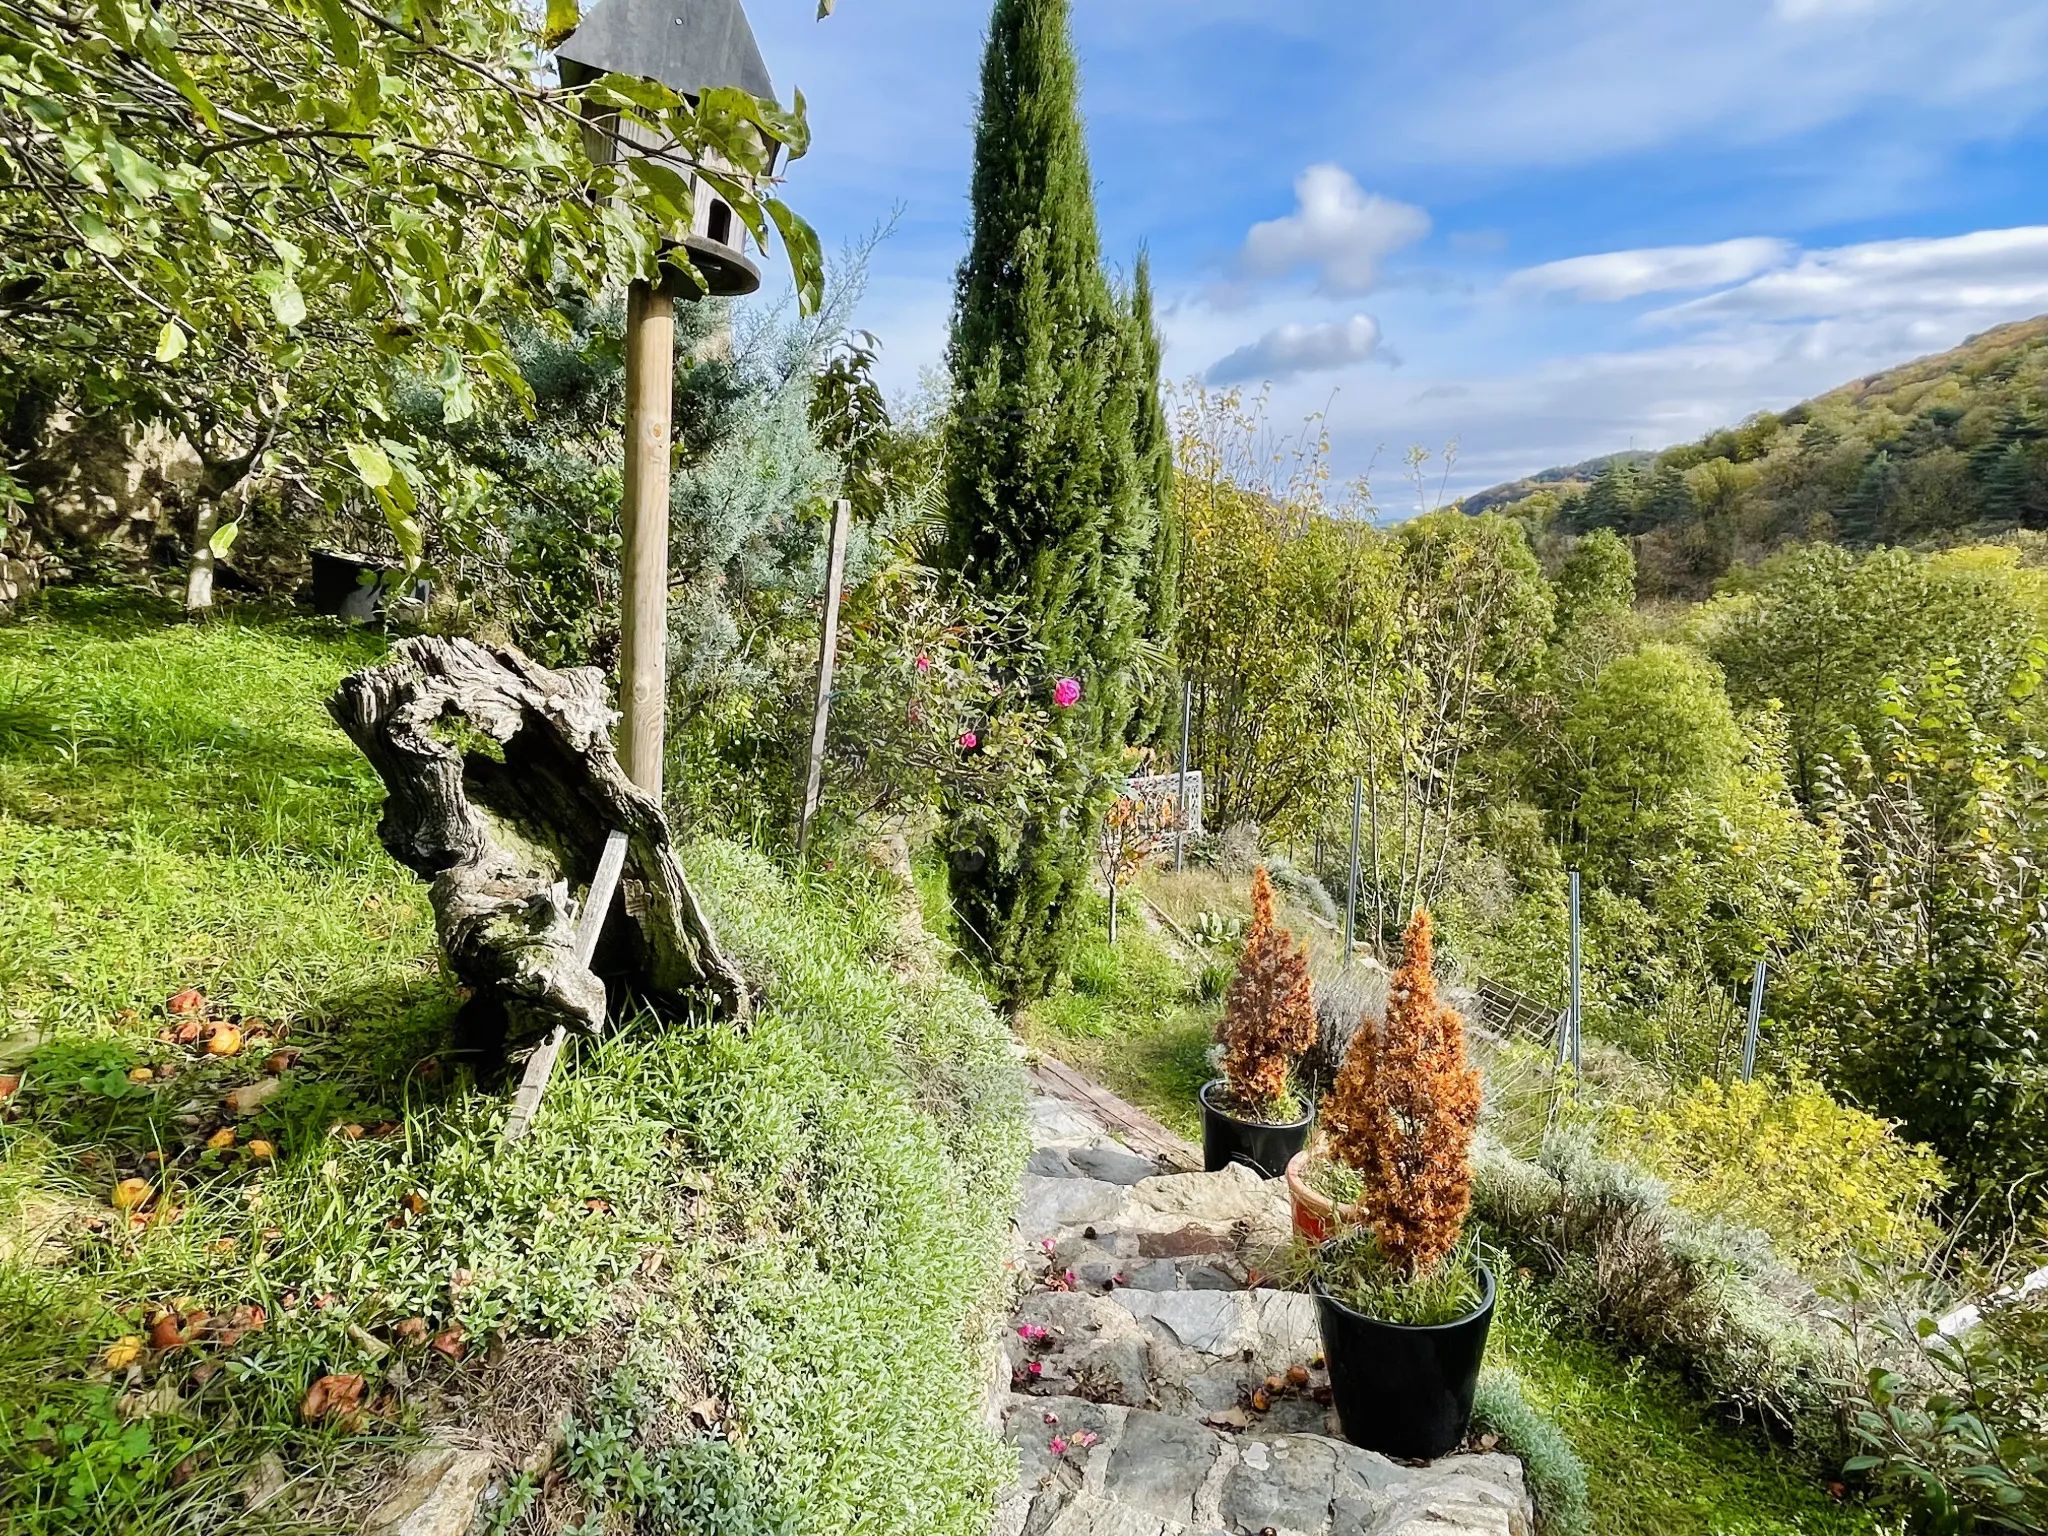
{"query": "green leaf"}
(286, 302)
(562, 19)
(223, 539)
(806, 260)
(341, 32)
(93, 230)
(824, 8)
(371, 464)
(142, 178)
(412, 539)
(170, 342)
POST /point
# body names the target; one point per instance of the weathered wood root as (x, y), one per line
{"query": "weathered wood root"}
(503, 787)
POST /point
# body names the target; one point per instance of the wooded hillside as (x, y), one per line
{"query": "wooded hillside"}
(1945, 447)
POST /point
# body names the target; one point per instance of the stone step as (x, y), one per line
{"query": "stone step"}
(1090, 1469)
(1056, 1123)
(1111, 1164)
(1201, 1354)
(1234, 1199)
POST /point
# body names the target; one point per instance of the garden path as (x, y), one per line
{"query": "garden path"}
(1142, 1353)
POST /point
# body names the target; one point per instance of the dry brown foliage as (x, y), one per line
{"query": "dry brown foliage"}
(1403, 1113)
(1269, 1017)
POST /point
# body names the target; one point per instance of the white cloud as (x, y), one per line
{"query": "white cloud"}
(1711, 71)
(1338, 230)
(1290, 351)
(1664, 269)
(1991, 275)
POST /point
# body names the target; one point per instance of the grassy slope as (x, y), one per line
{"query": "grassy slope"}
(825, 1191)
(1659, 1463)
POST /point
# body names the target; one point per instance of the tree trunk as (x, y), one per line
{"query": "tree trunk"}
(199, 574)
(504, 829)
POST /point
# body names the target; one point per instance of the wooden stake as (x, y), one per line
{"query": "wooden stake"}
(540, 1066)
(643, 666)
(828, 659)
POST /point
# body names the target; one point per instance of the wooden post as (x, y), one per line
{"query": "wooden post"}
(643, 665)
(828, 659)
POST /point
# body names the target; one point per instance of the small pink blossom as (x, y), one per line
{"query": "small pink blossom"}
(1087, 1438)
(1119, 1278)
(969, 741)
(1067, 692)
(1035, 1368)
(1070, 1279)
(1045, 1244)
(1051, 1417)
(924, 663)
(1059, 1446)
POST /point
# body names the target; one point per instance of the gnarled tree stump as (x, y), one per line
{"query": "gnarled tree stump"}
(503, 789)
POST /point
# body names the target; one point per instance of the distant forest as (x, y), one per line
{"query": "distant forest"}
(1948, 448)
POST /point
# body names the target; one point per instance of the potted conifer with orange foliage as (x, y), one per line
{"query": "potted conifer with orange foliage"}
(1404, 1303)
(1254, 1114)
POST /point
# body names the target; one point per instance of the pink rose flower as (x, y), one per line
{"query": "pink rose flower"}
(924, 663)
(1067, 692)
(1059, 1446)
(1034, 1369)
(969, 741)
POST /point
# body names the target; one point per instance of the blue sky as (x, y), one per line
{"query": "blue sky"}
(1542, 228)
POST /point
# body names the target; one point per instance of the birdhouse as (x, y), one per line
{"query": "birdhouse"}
(690, 46)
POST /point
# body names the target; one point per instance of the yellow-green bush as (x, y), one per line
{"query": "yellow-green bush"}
(1825, 1181)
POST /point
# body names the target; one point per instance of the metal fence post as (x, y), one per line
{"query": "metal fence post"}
(1756, 1020)
(1187, 720)
(1578, 1022)
(1351, 884)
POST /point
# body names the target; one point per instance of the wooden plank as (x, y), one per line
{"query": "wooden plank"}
(540, 1066)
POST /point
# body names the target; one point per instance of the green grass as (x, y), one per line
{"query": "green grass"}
(1131, 1017)
(1659, 1462)
(800, 1219)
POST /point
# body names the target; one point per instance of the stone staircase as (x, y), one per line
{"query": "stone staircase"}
(1155, 1385)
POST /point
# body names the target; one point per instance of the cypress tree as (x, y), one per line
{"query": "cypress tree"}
(1044, 505)
(1159, 568)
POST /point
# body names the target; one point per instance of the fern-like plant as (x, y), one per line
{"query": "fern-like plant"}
(1403, 1113)
(1269, 1016)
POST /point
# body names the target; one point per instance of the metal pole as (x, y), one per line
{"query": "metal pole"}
(1756, 1020)
(828, 655)
(1351, 885)
(643, 599)
(1578, 1021)
(1187, 721)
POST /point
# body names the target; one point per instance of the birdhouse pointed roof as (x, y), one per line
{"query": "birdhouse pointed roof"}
(688, 45)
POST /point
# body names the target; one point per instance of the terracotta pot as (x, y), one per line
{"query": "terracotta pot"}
(1316, 1216)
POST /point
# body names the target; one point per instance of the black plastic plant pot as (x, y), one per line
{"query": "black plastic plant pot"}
(1401, 1390)
(1265, 1149)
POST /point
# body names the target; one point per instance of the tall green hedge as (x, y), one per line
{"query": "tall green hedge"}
(1050, 504)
